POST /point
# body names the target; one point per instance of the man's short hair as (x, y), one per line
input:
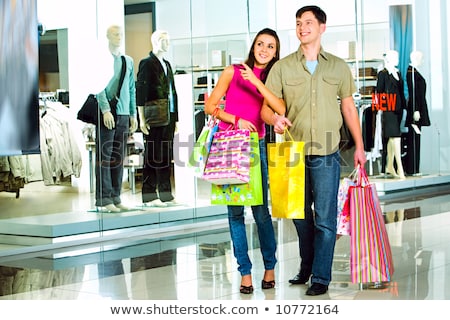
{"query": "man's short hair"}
(320, 15)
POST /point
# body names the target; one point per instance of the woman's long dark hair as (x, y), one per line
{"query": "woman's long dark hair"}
(251, 55)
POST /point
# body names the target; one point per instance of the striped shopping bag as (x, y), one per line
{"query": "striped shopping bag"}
(370, 251)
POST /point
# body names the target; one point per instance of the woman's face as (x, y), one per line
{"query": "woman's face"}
(265, 50)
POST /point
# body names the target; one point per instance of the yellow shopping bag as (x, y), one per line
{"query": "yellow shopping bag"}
(286, 162)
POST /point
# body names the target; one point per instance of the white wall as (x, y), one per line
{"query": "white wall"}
(432, 38)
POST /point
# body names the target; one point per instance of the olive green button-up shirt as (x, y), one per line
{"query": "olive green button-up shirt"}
(312, 99)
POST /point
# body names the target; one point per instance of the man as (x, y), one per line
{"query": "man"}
(309, 82)
(155, 82)
(112, 131)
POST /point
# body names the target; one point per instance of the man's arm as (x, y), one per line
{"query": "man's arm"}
(351, 119)
(141, 94)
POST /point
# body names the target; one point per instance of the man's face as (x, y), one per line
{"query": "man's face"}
(308, 28)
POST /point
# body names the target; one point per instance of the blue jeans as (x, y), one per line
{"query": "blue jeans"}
(317, 232)
(263, 219)
(110, 151)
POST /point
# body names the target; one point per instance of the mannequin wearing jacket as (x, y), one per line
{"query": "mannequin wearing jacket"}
(390, 82)
(112, 132)
(155, 81)
(417, 112)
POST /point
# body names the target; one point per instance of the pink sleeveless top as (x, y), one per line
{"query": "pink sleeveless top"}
(244, 100)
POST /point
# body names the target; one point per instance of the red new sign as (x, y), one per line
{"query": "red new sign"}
(384, 101)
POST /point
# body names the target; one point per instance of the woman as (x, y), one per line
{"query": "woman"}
(243, 86)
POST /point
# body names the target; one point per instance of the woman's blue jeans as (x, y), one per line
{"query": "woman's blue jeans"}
(263, 219)
(317, 232)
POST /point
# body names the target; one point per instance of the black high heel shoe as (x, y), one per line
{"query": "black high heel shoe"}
(246, 289)
(267, 284)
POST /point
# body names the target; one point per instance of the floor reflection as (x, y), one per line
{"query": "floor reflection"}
(201, 265)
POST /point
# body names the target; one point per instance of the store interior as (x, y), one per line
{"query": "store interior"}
(54, 209)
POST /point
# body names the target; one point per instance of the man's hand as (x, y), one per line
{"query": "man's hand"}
(359, 158)
(280, 123)
(133, 124)
(416, 115)
(144, 128)
(142, 123)
(108, 120)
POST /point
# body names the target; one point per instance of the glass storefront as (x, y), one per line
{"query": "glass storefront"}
(56, 206)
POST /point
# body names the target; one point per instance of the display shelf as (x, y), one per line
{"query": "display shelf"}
(365, 74)
(204, 80)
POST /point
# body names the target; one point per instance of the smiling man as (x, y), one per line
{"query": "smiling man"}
(309, 81)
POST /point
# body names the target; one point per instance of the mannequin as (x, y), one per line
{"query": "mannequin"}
(390, 83)
(112, 132)
(417, 107)
(155, 81)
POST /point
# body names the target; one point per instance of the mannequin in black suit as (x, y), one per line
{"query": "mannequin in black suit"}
(155, 81)
(390, 83)
(417, 112)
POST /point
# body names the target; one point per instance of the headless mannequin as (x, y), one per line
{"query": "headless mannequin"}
(416, 58)
(417, 107)
(394, 142)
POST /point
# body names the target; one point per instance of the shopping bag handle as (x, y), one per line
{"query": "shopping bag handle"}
(363, 178)
(354, 174)
(213, 120)
(289, 134)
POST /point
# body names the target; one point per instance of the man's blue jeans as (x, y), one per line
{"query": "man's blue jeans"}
(317, 232)
(263, 219)
(110, 152)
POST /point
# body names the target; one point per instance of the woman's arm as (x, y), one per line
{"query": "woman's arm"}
(275, 103)
(212, 102)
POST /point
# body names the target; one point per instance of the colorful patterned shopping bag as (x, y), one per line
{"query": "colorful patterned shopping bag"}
(200, 151)
(370, 250)
(229, 158)
(286, 163)
(343, 207)
(246, 194)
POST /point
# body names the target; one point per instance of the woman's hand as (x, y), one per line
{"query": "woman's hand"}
(247, 74)
(244, 124)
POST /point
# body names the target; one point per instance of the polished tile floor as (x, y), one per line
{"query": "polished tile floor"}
(199, 265)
